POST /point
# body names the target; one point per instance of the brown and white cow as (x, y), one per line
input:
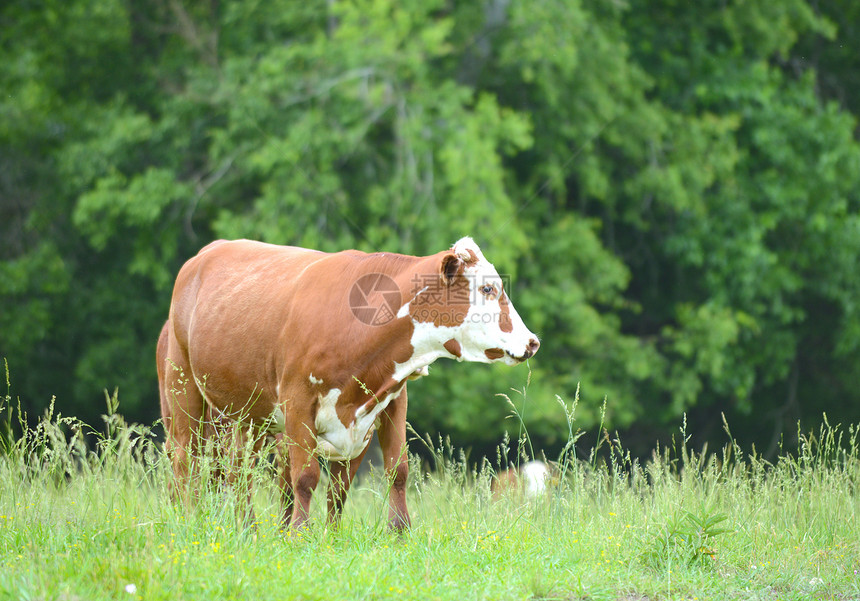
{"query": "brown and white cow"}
(529, 480)
(318, 347)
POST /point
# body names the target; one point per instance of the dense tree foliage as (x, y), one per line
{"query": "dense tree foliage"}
(673, 186)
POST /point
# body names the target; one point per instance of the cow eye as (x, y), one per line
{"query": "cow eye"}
(488, 290)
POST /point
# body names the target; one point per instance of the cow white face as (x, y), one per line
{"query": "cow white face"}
(464, 312)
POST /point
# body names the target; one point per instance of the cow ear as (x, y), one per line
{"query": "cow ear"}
(452, 266)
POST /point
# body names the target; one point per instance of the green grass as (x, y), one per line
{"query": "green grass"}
(84, 523)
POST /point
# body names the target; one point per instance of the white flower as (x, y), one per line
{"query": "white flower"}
(130, 589)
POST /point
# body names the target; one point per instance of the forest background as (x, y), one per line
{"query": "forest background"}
(673, 186)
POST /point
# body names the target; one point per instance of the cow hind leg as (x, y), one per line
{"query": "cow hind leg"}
(182, 408)
(234, 457)
(163, 366)
(183, 447)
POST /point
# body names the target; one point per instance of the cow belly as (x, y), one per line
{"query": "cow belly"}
(337, 442)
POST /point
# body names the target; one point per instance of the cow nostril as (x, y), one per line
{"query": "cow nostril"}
(534, 345)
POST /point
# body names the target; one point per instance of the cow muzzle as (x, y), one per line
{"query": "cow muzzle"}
(531, 348)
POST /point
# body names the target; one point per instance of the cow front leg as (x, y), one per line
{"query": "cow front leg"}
(305, 475)
(392, 439)
(342, 475)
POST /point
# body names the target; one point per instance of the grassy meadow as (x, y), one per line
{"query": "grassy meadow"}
(93, 521)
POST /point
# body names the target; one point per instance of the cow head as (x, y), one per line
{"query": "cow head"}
(464, 310)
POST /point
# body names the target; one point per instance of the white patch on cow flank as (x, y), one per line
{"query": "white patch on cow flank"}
(337, 442)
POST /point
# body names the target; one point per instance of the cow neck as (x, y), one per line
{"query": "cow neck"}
(424, 303)
(390, 355)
